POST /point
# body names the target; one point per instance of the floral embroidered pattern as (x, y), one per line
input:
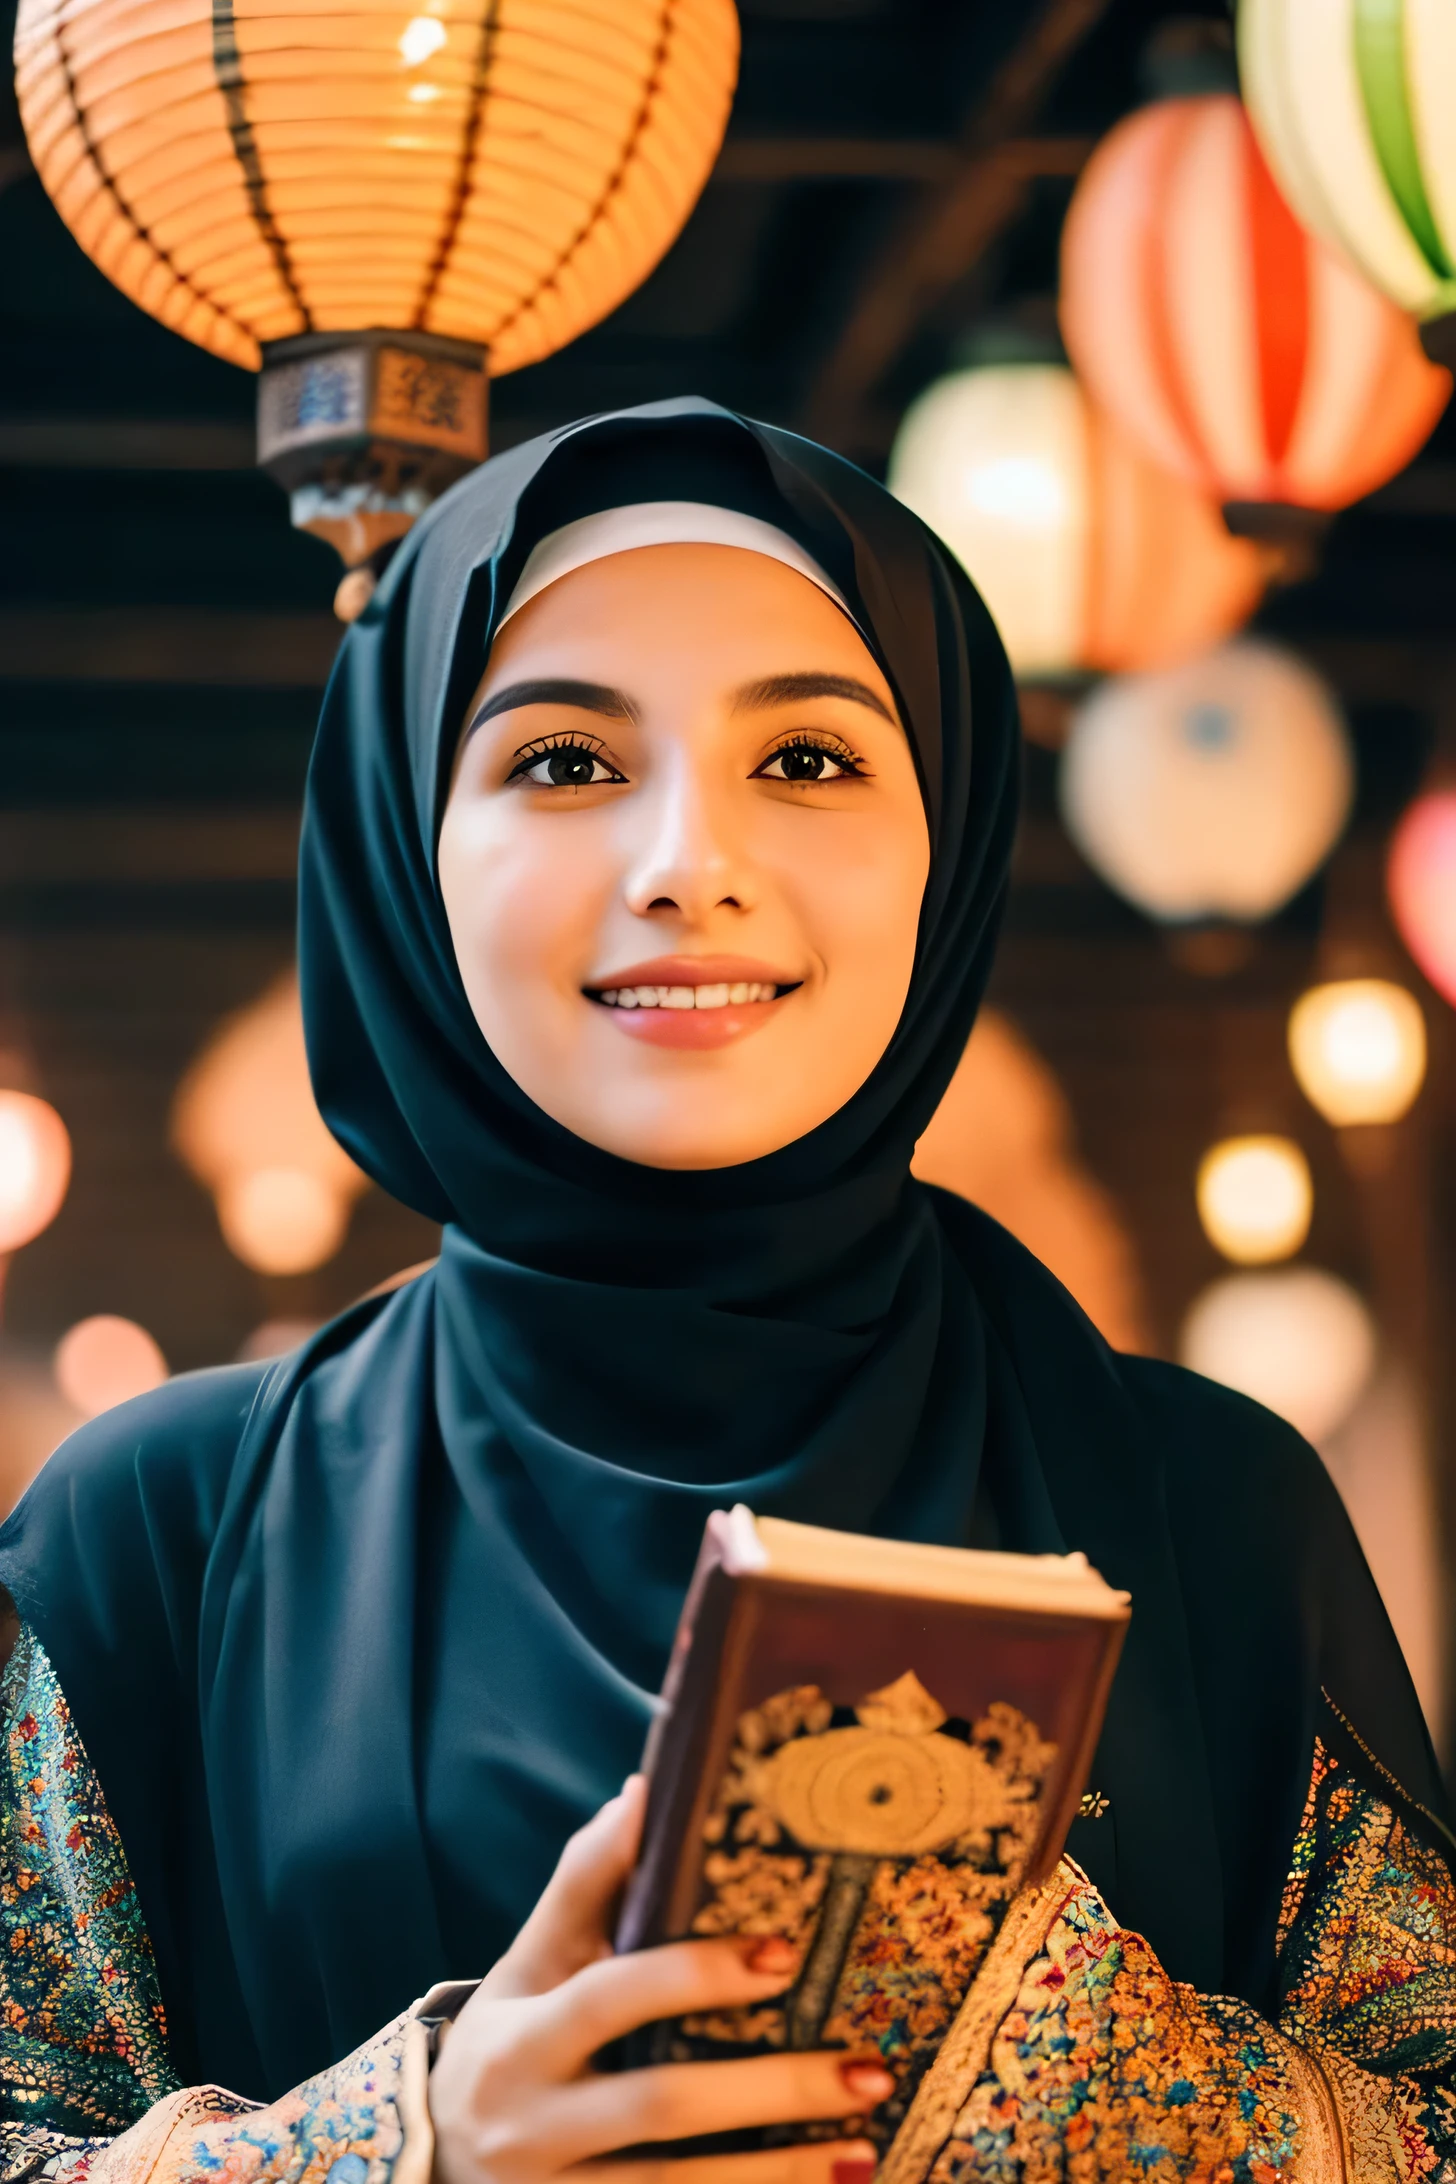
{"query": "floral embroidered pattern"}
(88, 2093)
(85, 2037)
(1105, 2067)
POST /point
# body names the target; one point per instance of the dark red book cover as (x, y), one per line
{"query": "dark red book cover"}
(868, 1748)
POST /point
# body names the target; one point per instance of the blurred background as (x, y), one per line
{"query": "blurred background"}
(1163, 368)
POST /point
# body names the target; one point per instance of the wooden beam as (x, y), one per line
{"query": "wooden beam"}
(125, 443)
(879, 159)
(954, 223)
(147, 846)
(191, 645)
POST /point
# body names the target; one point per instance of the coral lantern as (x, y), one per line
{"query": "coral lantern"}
(1354, 105)
(1421, 882)
(1237, 350)
(1088, 554)
(377, 201)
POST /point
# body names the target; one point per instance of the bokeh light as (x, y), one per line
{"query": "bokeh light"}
(1255, 1198)
(1358, 1049)
(106, 1360)
(1295, 1339)
(1421, 881)
(35, 1167)
(281, 1220)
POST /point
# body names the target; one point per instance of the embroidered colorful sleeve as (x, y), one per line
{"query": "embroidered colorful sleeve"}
(87, 2092)
(1102, 2066)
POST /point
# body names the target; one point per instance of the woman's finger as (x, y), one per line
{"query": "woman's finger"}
(616, 1995)
(601, 2114)
(569, 1925)
(835, 2161)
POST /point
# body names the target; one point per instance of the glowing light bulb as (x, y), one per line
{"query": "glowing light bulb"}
(1358, 1049)
(35, 1167)
(421, 37)
(281, 1220)
(1255, 1198)
(1020, 489)
(106, 1360)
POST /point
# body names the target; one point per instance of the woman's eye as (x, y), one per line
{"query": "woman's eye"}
(808, 762)
(565, 766)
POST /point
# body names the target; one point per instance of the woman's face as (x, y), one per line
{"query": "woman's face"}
(683, 855)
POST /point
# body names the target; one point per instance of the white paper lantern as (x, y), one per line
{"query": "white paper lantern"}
(1086, 552)
(1298, 1340)
(1212, 790)
(1358, 1048)
(1255, 1198)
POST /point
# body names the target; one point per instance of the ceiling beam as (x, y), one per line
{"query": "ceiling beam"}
(952, 225)
(878, 159)
(197, 646)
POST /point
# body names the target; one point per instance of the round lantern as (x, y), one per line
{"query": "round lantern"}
(1255, 1198)
(1211, 790)
(35, 1167)
(1237, 349)
(377, 204)
(1421, 882)
(1297, 1340)
(1088, 554)
(1358, 1049)
(245, 1122)
(1355, 107)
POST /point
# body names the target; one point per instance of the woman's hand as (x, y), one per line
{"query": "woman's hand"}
(514, 2096)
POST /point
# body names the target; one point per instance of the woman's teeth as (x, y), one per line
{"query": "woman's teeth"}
(687, 997)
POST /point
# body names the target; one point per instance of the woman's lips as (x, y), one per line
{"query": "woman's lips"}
(695, 1002)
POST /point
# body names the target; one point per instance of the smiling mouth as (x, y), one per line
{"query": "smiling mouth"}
(740, 993)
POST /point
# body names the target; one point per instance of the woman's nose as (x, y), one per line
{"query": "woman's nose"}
(689, 855)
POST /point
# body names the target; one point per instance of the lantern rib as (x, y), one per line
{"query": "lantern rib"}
(123, 205)
(227, 65)
(613, 182)
(1381, 73)
(460, 194)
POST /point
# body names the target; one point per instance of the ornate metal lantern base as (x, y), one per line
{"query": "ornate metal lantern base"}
(364, 430)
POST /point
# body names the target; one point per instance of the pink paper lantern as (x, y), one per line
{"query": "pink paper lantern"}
(1421, 881)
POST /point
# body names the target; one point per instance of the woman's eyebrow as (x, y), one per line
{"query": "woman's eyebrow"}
(590, 697)
(791, 689)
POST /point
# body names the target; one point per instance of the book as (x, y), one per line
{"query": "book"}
(872, 1748)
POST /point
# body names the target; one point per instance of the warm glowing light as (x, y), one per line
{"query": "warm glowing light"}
(1355, 108)
(35, 1167)
(107, 1360)
(246, 1124)
(1358, 1048)
(243, 178)
(1088, 555)
(1233, 346)
(281, 1220)
(1212, 790)
(1297, 1340)
(422, 35)
(1255, 1198)
(1421, 881)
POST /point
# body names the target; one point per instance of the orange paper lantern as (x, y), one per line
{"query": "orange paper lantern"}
(1238, 350)
(470, 183)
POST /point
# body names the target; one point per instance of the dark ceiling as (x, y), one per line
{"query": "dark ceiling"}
(896, 172)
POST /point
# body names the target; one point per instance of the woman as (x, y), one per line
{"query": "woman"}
(657, 834)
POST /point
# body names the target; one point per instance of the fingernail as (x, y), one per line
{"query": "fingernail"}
(867, 2081)
(858, 2171)
(770, 1954)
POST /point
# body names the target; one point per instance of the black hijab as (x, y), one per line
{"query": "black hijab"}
(355, 1644)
